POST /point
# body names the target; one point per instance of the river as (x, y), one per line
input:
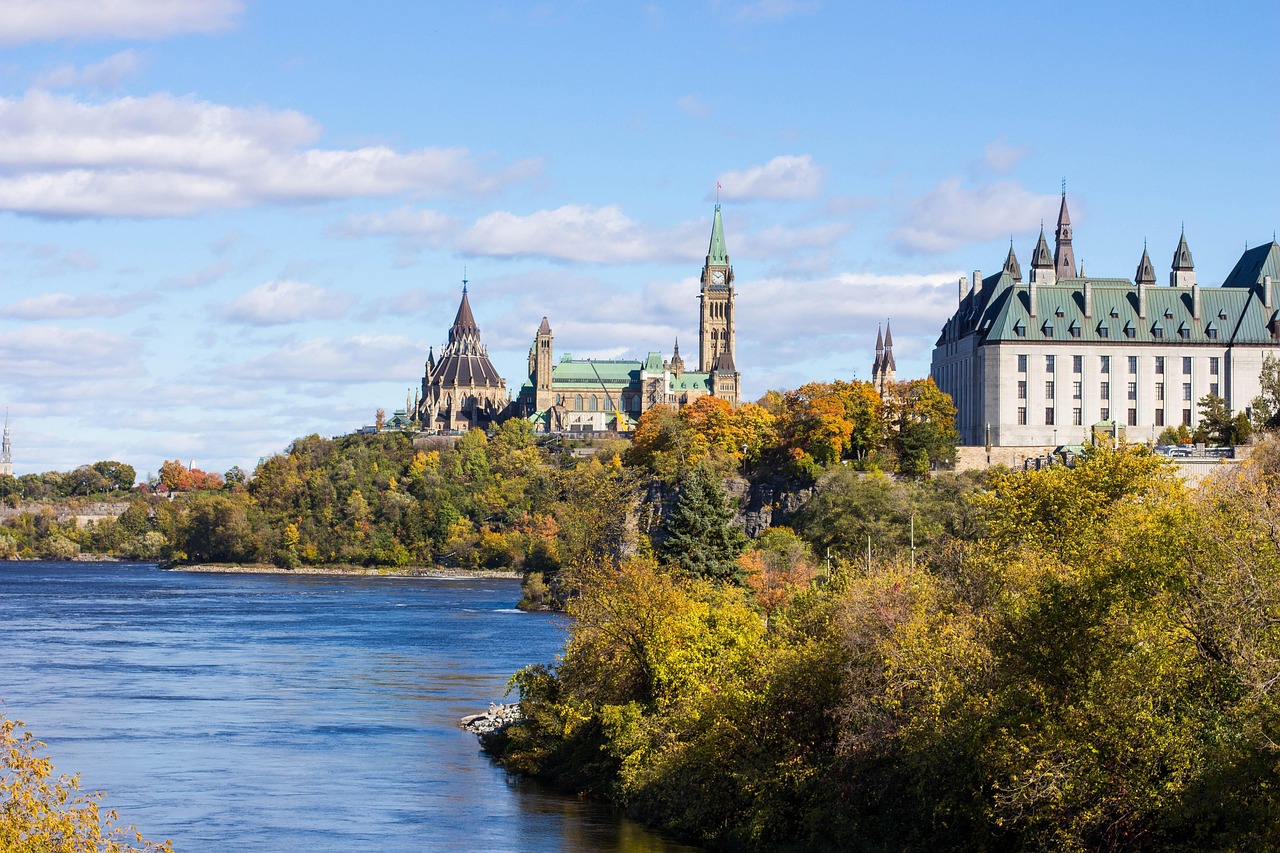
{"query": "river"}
(280, 713)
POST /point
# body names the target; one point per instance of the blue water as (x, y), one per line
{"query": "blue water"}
(286, 713)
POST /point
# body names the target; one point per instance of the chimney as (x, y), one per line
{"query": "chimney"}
(1266, 291)
(960, 290)
(1142, 301)
(1195, 301)
(1031, 293)
(977, 281)
(1088, 299)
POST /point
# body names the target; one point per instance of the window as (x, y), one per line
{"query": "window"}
(595, 404)
(1213, 366)
(1048, 364)
(1104, 392)
(1133, 417)
(1022, 389)
(1077, 364)
(1077, 417)
(1048, 390)
(1048, 416)
(1213, 388)
(1130, 331)
(1076, 390)
(1020, 330)
(1022, 416)
(1074, 329)
(1186, 390)
(1160, 391)
(1186, 365)
(1133, 390)
(577, 403)
(1186, 417)
(1133, 364)
(1022, 364)
(1106, 414)
(1159, 364)
(1105, 363)
(1103, 331)
(1211, 332)
(1159, 417)
(1157, 332)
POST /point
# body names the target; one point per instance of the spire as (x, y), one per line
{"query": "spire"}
(1040, 258)
(1146, 273)
(6, 451)
(1182, 255)
(716, 253)
(879, 359)
(1011, 265)
(464, 324)
(888, 365)
(544, 328)
(1064, 258)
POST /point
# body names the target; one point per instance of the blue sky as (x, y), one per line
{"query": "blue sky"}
(225, 224)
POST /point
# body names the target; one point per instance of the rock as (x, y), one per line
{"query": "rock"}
(495, 719)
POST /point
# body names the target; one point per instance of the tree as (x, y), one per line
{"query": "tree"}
(41, 813)
(1216, 419)
(117, 475)
(699, 538)
(1266, 406)
(920, 420)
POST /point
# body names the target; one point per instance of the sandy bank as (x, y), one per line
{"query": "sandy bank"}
(352, 571)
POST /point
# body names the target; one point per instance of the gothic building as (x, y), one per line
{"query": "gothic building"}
(883, 370)
(1041, 362)
(461, 389)
(592, 395)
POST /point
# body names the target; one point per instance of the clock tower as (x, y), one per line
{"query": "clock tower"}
(716, 324)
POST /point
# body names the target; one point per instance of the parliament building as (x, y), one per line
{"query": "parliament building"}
(461, 388)
(1042, 362)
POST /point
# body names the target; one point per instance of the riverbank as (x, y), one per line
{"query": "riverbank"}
(346, 571)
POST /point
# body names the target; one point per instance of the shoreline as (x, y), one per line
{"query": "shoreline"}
(438, 572)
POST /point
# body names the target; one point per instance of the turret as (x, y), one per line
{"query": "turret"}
(1183, 273)
(1064, 259)
(1011, 266)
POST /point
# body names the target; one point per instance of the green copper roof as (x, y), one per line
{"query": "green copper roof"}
(1254, 264)
(716, 253)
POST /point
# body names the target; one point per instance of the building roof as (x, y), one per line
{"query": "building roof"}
(1041, 258)
(716, 253)
(1254, 264)
(1011, 265)
(1182, 255)
(464, 361)
(1146, 274)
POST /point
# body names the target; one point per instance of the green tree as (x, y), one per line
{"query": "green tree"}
(699, 537)
(1216, 419)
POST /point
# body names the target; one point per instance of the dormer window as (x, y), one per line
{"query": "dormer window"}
(1168, 313)
(1115, 313)
(1074, 329)
(1058, 312)
(1047, 328)
(1211, 332)
(1157, 332)
(1222, 315)
(1019, 329)
(1183, 331)
(1129, 330)
(1103, 331)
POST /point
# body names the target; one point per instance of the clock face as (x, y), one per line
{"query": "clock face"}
(717, 277)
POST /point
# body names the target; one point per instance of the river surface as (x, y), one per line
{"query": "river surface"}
(287, 713)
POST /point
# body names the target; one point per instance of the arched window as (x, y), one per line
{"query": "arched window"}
(577, 403)
(595, 404)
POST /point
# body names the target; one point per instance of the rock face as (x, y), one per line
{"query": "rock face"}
(497, 718)
(764, 504)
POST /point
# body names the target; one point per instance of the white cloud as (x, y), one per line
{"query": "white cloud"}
(279, 302)
(46, 352)
(575, 233)
(758, 11)
(40, 20)
(692, 105)
(161, 155)
(951, 215)
(1001, 157)
(782, 239)
(363, 358)
(63, 306)
(784, 177)
(101, 75)
(414, 228)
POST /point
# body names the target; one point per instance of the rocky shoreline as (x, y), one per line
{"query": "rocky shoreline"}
(497, 718)
(353, 571)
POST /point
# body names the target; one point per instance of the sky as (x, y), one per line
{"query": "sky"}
(226, 224)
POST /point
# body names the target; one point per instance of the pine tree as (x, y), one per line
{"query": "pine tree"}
(699, 538)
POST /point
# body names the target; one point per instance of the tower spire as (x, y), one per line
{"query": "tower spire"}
(1064, 258)
(6, 451)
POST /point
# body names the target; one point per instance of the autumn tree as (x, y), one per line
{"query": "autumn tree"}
(920, 424)
(699, 537)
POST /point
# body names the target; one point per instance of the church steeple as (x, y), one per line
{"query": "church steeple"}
(1064, 258)
(6, 451)
(883, 370)
(677, 363)
(716, 253)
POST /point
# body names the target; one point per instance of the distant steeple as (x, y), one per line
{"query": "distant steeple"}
(883, 370)
(888, 349)
(1183, 273)
(677, 363)
(716, 252)
(1040, 258)
(1011, 265)
(879, 359)
(464, 327)
(1064, 258)
(6, 450)
(1146, 273)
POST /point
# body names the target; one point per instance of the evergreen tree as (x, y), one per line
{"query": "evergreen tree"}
(699, 538)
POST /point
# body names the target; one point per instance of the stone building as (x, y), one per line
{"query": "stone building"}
(1042, 362)
(884, 370)
(461, 388)
(593, 395)
(6, 451)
